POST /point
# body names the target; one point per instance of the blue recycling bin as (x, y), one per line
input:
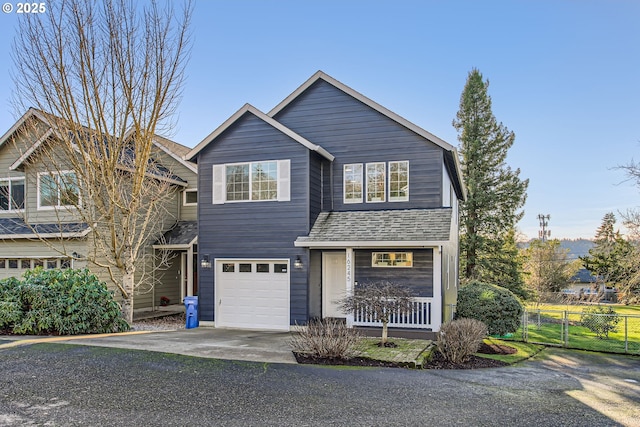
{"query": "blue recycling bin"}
(191, 305)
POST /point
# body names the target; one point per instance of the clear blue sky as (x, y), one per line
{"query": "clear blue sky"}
(564, 76)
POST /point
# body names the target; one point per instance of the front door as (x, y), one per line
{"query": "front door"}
(334, 283)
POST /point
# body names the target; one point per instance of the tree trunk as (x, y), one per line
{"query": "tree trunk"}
(127, 300)
(385, 333)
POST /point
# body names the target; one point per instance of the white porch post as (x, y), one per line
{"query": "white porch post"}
(436, 306)
(189, 271)
(349, 280)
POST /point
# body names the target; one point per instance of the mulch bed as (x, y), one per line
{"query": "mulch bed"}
(437, 361)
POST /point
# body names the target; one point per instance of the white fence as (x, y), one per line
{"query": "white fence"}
(420, 317)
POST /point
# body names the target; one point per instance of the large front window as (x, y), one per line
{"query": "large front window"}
(11, 194)
(392, 259)
(252, 181)
(57, 189)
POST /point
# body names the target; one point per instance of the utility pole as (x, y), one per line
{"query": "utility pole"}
(544, 223)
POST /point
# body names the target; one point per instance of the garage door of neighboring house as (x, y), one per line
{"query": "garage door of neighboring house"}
(252, 294)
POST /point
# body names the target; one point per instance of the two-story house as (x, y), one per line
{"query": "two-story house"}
(328, 190)
(38, 226)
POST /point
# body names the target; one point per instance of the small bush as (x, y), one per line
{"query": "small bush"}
(496, 307)
(327, 338)
(459, 339)
(64, 302)
(600, 320)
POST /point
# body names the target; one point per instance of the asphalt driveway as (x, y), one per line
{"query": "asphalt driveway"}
(61, 384)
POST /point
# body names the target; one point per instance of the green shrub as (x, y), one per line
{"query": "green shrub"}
(496, 307)
(460, 338)
(64, 302)
(600, 320)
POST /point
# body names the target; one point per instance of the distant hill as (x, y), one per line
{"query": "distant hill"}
(577, 247)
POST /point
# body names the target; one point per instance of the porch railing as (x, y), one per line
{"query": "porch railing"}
(420, 317)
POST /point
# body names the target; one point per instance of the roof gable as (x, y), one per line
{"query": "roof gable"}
(173, 149)
(357, 95)
(452, 161)
(247, 108)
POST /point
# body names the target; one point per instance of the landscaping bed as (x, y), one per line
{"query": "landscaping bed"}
(427, 358)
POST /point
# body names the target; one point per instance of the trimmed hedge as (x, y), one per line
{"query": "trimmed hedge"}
(62, 302)
(495, 306)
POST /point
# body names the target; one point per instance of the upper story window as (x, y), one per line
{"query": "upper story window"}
(382, 178)
(353, 183)
(252, 181)
(399, 181)
(376, 182)
(57, 189)
(11, 194)
(190, 197)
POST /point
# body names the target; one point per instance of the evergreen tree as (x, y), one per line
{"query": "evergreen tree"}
(613, 260)
(495, 192)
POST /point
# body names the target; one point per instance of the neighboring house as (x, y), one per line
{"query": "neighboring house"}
(327, 191)
(38, 228)
(585, 285)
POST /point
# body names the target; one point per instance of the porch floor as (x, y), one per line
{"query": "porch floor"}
(158, 311)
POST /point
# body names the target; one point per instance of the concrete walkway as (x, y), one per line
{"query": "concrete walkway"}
(229, 344)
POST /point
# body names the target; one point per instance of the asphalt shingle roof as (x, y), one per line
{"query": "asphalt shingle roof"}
(182, 233)
(411, 225)
(16, 226)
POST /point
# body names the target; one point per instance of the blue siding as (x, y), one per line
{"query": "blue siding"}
(253, 229)
(419, 278)
(355, 133)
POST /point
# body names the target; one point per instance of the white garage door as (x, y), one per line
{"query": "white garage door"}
(252, 294)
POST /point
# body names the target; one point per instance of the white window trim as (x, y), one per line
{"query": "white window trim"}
(57, 205)
(10, 180)
(374, 265)
(283, 180)
(184, 196)
(397, 199)
(344, 184)
(366, 192)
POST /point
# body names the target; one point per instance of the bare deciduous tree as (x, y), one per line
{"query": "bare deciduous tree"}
(379, 301)
(105, 78)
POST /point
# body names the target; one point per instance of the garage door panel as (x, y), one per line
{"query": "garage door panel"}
(253, 300)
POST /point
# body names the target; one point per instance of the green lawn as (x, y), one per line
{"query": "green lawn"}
(620, 309)
(546, 327)
(525, 350)
(408, 352)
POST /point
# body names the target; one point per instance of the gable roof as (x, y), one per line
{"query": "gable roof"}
(173, 149)
(383, 228)
(451, 153)
(247, 108)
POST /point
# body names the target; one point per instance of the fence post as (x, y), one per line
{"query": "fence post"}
(525, 326)
(565, 322)
(626, 335)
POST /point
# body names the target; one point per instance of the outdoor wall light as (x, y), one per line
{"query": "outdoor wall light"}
(205, 263)
(76, 255)
(297, 263)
